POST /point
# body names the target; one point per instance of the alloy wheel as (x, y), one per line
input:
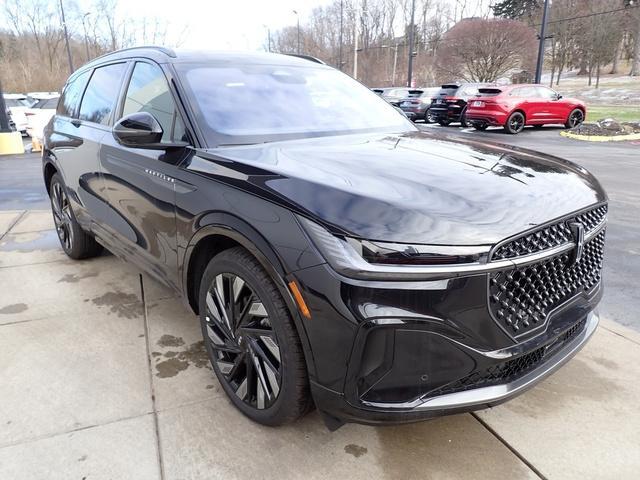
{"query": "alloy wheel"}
(576, 118)
(62, 215)
(516, 123)
(244, 344)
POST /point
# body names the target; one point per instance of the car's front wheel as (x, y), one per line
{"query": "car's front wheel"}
(515, 123)
(251, 339)
(576, 117)
(75, 242)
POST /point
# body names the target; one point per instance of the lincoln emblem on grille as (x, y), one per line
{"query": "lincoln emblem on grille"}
(577, 229)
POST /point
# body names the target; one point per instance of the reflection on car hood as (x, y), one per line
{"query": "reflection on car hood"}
(415, 187)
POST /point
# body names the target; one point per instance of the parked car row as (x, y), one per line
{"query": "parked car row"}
(31, 112)
(481, 105)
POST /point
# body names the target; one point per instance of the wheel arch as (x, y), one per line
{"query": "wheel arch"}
(48, 171)
(227, 231)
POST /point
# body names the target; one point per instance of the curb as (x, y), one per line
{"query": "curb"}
(601, 138)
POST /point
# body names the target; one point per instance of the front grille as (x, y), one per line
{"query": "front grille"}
(550, 236)
(521, 298)
(511, 370)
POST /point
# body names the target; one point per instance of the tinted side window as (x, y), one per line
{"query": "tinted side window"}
(68, 105)
(546, 93)
(101, 93)
(148, 91)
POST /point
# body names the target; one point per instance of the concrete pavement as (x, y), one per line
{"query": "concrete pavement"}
(103, 375)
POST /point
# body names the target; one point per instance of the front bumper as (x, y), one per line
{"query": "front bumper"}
(336, 405)
(398, 352)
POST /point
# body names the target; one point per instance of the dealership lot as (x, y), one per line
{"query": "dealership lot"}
(103, 372)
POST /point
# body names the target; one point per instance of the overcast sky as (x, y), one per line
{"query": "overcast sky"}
(216, 24)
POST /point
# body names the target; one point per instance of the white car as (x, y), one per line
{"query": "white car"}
(16, 104)
(39, 115)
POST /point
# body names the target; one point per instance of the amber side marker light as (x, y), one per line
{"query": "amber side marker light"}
(293, 286)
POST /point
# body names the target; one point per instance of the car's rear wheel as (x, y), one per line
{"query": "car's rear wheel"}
(75, 242)
(576, 117)
(251, 340)
(515, 123)
(428, 118)
(463, 118)
(443, 122)
(480, 126)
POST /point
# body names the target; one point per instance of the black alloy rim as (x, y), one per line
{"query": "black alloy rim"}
(245, 347)
(62, 215)
(516, 122)
(575, 119)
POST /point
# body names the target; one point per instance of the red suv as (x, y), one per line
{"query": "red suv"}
(514, 106)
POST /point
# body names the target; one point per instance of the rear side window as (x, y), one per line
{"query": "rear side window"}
(525, 92)
(101, 93)
(148, 91)
(70, 100)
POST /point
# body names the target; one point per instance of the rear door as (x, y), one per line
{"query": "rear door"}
(140, 182)
(78, 131)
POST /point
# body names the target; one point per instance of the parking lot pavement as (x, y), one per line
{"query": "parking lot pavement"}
(104, 375)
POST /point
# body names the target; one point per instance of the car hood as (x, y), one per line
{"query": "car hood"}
(415, 187)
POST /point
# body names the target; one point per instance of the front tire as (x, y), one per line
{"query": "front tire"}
(251, 340)
(515, 123)
(75, 242)
(575, 118)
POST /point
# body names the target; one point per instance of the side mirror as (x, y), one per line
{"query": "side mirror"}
(138, 130)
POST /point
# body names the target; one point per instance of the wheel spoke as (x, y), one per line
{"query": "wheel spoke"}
(245, 348)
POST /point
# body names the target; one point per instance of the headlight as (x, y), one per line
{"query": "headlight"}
(395, 261)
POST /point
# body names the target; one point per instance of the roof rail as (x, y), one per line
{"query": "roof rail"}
(167, 51)
(306, 57)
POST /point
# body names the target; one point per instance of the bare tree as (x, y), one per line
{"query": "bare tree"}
(483, 50)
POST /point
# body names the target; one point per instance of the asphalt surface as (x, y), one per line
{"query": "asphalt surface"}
(616, 164)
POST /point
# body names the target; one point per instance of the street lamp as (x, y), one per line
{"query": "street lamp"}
(66, 38)
(298, 18)
(86, 38)
(268, 37)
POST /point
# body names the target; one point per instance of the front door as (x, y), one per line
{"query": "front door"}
(140, 182)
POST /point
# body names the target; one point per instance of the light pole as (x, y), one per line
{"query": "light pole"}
(411, 32)
(268, 37)
(66, 38)
(543, 28)
(340, 37)
(86, 38)
(395, 62)
(298, 19)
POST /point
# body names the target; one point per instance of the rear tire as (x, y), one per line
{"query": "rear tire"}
(463, 118)
(515, 123)
(575, 118)
(444, 123)
(480, 126)
(251, 340)
(428, 118)
(75, 242)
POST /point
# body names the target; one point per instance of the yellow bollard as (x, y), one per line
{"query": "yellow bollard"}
(11, 143)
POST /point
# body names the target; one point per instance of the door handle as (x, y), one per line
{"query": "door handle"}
(75, 122)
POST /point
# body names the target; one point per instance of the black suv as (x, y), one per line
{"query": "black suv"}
(335, 254)
(450, 103)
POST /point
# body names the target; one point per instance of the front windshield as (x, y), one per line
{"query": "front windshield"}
(241, 104)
